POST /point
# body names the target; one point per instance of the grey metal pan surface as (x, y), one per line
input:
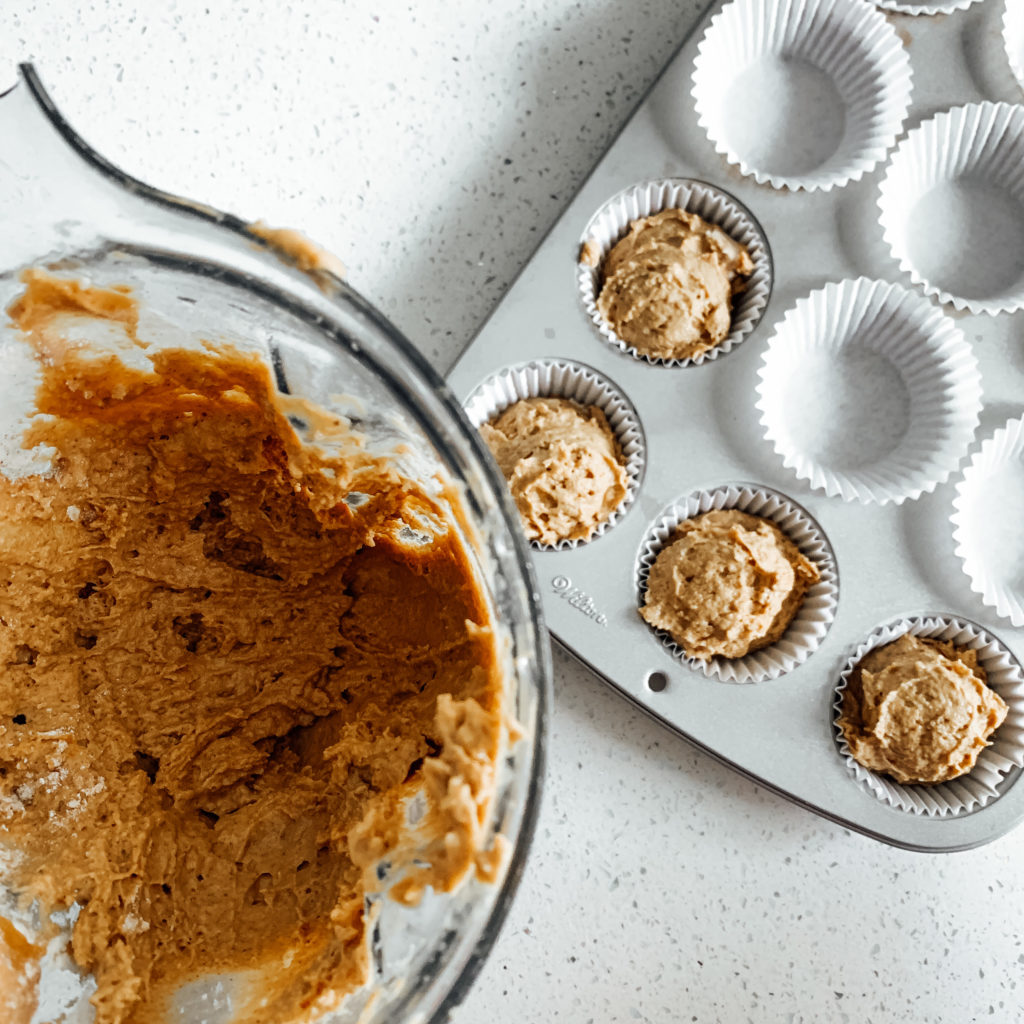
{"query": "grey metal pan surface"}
(702, 430)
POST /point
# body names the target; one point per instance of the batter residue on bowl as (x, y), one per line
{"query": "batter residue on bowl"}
(222, 679)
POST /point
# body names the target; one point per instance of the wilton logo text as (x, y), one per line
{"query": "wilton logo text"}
(577, 599)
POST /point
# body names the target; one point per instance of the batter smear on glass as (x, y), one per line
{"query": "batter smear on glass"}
(228, 657)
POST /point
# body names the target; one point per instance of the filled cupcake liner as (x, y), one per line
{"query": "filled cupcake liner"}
(937, 7)
(812, 620)
(611, 223)
(980, 143)
(986, 530)
(559, 378)
(935, 362)
(988, 778)
(1013, 38)
(848, 40)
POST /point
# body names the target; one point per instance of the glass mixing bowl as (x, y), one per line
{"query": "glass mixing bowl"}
(203, 272)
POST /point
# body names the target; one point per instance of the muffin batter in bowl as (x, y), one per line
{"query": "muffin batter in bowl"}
(19, 975)
(230, 660)
(728, 583)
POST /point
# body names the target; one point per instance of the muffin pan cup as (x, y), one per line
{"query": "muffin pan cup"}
(845, 82)
(702, 431)
(611, 223)
(916, 392)
(995, 763)
(814, 616)
(986, 522)
(951, 207)
(553, 378)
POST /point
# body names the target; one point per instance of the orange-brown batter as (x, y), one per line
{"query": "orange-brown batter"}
(295, 248)
(218, 679)
(19, 975)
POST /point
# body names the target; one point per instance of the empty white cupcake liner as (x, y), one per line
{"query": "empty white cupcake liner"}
(1013, 38)
(986, 530)
(980, 142)
(814, 617)
(935, 362)
(559, 378)
(938, 7)
(988, 778)
(611, 223)
(848, 40)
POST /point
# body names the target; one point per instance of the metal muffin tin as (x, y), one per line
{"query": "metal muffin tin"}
(702, 431)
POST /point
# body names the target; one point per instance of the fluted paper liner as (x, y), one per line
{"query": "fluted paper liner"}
(559, 378)
(847, 40)
(937, 367)
(988, 778)
(979, 143)
(812, 620)
(1013, 38)
(986, 528)
(611, 223)
(937, 7)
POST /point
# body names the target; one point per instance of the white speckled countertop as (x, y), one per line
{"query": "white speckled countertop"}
(431, 145)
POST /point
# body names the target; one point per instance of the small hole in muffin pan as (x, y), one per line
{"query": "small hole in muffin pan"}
(657, 682)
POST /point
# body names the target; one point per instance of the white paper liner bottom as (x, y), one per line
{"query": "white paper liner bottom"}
(988, 778)
(987, 521)
(815, 615)
(611, 223)
(801, 94)
(559, 378)
(869, 392)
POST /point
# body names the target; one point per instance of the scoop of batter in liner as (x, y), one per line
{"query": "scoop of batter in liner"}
(919, 710)
(220, 682)
(562, 463)
(667, 287)
(728, 583)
